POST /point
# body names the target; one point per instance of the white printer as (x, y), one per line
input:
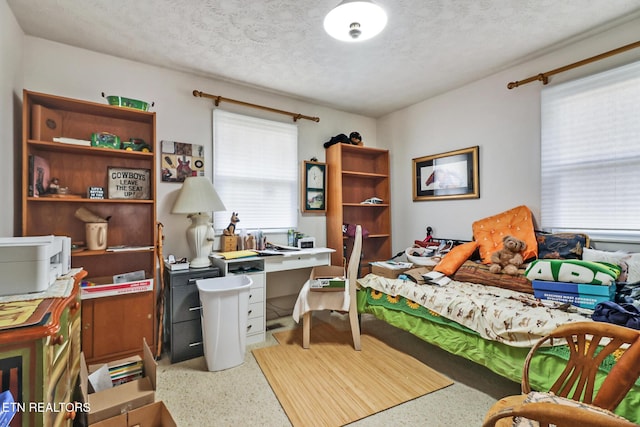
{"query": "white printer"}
(32, 264)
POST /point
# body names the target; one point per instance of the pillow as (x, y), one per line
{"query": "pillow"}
(517, 222)
(573, 271)
(455, 258)
(561, 245)
(474, 272)
(632, 261)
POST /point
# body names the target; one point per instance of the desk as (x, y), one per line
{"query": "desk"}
(258, 268)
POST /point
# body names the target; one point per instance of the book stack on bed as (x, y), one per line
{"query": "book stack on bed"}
(580, 295)
(577, 282)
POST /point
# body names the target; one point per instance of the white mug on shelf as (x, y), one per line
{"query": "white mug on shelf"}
(96, 234)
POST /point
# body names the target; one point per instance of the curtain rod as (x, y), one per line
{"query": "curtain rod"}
(544, 77)
(218, 99)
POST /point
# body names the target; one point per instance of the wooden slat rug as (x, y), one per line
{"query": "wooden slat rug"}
(331, 384)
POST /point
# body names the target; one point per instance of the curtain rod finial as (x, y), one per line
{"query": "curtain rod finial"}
(197, 93)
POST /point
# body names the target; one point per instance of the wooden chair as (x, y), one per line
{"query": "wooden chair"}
(555, 414)
(352, 277)
(578, 379)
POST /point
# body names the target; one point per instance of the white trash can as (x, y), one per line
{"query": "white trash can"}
(224, 315)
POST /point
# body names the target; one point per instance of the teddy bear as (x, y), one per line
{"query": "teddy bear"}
(509, 258)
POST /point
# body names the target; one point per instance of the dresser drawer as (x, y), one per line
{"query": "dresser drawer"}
(185, 303)
(186, 340)
(255, 325)
(256, 295)
(292, 262)
(190, 277)
(258, 280)
(256, 310)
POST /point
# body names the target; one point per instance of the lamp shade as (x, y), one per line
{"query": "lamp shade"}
(355, 20)
(197, 195)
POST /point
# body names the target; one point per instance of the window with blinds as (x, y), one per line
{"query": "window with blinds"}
(590, 155)
(255, 171)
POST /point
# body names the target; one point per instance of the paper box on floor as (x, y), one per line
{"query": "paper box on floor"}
(580, 295)
(152, 415)
(121, 398)
(327, 278)
(390, 270)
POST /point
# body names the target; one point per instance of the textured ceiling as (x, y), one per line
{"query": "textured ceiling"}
(428, 47)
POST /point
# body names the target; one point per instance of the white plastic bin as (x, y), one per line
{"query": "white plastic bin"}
(224, 315)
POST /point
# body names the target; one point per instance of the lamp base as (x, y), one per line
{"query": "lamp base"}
(200, 238)
(200, 263)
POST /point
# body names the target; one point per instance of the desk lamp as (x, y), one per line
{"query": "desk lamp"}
(196, 199)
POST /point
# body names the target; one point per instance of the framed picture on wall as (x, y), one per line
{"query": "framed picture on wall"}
(314, 187)
(180, 160)
(446, 176)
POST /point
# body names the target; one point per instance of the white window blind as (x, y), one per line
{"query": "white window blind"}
(255, 171)
(590, 154)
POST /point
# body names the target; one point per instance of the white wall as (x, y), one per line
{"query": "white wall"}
(76, 73)
(504, 123)
(11, 41)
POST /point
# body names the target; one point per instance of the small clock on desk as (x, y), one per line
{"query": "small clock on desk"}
(314, 187)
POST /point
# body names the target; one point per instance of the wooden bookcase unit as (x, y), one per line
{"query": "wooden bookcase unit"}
(356, 174)
(112, 327)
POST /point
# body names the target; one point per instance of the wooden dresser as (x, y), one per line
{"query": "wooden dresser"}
(40, 357)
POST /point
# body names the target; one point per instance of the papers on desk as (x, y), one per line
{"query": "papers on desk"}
(268, 252)
(236, 254)
(277, 249)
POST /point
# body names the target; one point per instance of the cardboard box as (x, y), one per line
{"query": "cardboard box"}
(97, 291)
(580, 295)
(328, 278)
(124, 397)
(389, 270)
(152, 415)
(46, 124)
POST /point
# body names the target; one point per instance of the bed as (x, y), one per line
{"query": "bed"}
(490, 319)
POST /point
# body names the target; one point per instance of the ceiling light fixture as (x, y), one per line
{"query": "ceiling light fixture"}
(355, 20)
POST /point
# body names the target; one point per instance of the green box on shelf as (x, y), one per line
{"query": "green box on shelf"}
(105, 140)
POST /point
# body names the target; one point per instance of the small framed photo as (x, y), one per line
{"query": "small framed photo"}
(128, 183)
(446, 176)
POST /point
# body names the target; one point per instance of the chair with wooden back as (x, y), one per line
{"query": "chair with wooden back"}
(559, 415)
(589, 344)
(352, 277)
